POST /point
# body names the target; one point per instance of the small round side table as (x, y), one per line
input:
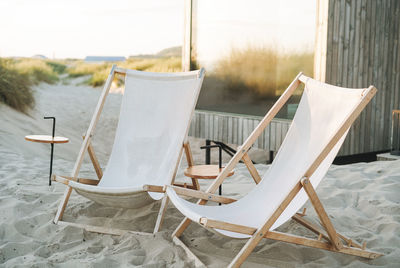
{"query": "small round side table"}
(208, 172)
(48, 139)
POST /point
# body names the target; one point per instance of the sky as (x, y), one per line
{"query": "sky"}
(78, 28)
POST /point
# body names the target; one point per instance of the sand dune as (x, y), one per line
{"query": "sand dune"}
(362, 199)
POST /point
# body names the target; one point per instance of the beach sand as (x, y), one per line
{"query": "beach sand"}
(363, 201)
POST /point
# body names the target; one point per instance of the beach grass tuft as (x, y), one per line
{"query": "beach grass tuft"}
(15, 88)
(38, 70)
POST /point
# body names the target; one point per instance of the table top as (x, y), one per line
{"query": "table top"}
(204, 171)
(46, 139)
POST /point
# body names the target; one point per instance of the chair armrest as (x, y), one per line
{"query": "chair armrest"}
(202, 195)
(65, 180)
(153, 188)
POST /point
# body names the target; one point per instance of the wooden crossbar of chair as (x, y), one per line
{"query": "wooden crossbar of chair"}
(334, 243)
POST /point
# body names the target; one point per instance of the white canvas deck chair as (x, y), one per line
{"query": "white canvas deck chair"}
(154, 120)
(322, 120)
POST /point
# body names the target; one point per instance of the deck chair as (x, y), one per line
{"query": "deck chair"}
(154, 120)
(322, 120)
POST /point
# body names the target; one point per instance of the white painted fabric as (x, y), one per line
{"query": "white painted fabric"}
(154, 121)
(322, 110)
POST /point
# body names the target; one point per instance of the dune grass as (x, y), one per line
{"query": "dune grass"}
(261, 71)
(98, 72)
(15, 88)
(17, 76)
(38, 70)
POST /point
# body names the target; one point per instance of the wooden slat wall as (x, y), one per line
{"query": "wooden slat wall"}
(234, 129)
(363, 49)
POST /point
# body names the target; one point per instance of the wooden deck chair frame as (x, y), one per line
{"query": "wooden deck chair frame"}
(87, 146)
(333, 239)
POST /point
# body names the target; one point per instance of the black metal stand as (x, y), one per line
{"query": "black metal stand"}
(52, 146)
(208, 147)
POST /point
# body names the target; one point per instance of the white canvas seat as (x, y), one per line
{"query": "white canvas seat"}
(153, 124)
(322, 120)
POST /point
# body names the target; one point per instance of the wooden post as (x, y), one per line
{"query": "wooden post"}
(187, 36)
(321, 36)
(252, 169)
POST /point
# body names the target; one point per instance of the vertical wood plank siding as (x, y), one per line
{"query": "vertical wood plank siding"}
(363, 49)
(235, 128)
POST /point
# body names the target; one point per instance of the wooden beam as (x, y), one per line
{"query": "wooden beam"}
(187, 35)
(181, 228)
(321, 37)
(189, 158)
(326, 222)
(321, 245)
(203, 195)
(164, 202)
(161, 213)
(312, 227)
(101, 230)
(188, 153)
(236, 228)
(65, 180)
(320, 232)
(252, 169)
(95, 161)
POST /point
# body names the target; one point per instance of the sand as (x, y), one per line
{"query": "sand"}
(362, 199)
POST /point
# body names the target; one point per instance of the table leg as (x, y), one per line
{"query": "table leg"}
(51, 162)
(208, 153)
(220, 191)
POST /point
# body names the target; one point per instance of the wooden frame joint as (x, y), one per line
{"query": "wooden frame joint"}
(153, 188)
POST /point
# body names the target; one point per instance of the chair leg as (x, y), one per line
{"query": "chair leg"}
(247, 249)
(326, 222)
(63, 205)
(182, 227)
(161, 213)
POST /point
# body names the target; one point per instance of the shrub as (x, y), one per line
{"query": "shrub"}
(38, 70)
(57, 67)
(15, 88)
